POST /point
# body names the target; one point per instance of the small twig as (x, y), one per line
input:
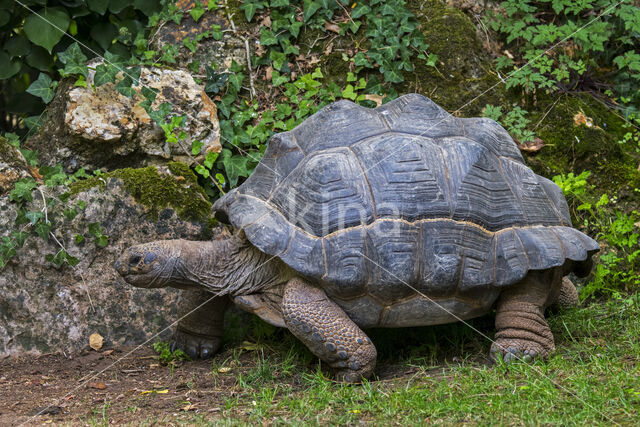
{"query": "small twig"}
(252, 92)
(86, 288)
(547, 113)
(44, 209)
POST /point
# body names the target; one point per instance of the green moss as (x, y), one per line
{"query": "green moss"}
(178, 190)
(574, 148)
(463, 78)
(9, 154)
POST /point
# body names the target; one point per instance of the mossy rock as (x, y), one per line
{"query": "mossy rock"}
(175, 187)
(463, 80)
(572, 147)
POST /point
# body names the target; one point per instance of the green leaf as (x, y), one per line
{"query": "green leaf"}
(360, 10)
(34, 216)
(201, 170)
(210, 159)
(43, 87)
(17, 46)
(250, 7)
(124, 87)
(101, 241)
(99, 6)
(197, 12)
(74, 61)
(267, 37)
(215, 81)
(42, 229)
(104, 33)
(19, 237)
(310, 8)
(196, 146)
(47, 27)
(235, 166)
(79, 238)
(105, 74)
(216, 32)
(8, 67)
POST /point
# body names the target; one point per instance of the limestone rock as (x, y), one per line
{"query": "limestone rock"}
(13, 166)
(44, 308)
(96, 127)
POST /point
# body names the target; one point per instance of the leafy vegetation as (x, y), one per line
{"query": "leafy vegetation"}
(619, 263)
(34, 33)
(604, 57)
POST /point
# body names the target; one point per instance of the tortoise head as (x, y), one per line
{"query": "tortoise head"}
(150, 265)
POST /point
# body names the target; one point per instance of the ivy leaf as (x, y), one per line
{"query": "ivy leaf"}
(46, 27)
(43, 229)
(250, 7)
(197, 12)
(267, 37)
(43, 87)
(235, 166)
(74, 61)
(216, 32)
(310, 8)
(196, 146)
(360, 10)
(210, 159)
(124, 87)
(215, 81)
(34, 217)
(105, 74)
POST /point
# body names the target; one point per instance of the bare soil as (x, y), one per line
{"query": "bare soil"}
(133, 388)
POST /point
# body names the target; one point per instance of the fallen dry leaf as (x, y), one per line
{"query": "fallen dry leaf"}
(268, 73)
(375, 98)
(98, 386)
(266, 22)
(165, 391)
(328, 49)
(107, 352)
(189, 407)
(532, 146)
(224, 370)
(95, 341)
(330, 26)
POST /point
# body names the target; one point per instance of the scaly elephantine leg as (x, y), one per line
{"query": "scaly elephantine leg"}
(199, 334)
(327, 330)
(522, 330)
(568, 296)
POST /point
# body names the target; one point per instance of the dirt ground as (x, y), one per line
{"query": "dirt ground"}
(72, 391)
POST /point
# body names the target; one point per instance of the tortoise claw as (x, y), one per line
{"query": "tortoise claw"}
(196, 346)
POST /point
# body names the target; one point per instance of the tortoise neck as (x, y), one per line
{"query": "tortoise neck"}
(228, 267)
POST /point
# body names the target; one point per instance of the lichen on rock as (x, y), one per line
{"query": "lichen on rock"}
(44, 308)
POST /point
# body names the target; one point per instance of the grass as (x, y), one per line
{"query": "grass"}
(440, 375)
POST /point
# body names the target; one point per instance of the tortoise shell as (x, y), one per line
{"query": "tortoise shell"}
(376, 204)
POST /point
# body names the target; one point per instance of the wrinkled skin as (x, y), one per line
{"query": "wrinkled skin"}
(214, 273)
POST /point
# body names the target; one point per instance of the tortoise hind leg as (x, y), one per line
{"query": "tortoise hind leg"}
(523, 332)
(327, 331)
(199, 333)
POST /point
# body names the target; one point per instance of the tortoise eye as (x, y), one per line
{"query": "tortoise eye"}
(134, 260)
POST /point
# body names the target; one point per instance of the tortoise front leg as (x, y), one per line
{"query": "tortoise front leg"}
(199, 333)
(523, 332)
(327, 330)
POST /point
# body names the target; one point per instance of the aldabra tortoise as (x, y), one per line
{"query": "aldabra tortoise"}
(402, 215)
